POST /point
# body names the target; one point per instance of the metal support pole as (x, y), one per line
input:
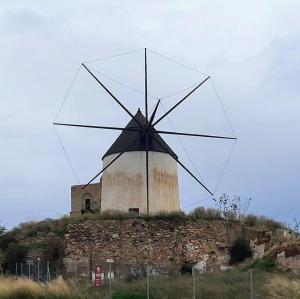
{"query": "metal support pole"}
(21, 269)
(147, 173)
(110, 281)
(251, 284)
(146, 88)
(48, 272)
(29, 264)
(38, 269)
(194, 283)
(148, 283)
(16, 272)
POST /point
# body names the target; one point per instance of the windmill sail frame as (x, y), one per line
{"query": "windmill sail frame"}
(147, 130)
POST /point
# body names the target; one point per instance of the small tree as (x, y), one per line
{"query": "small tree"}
(267, 263)
(5, 240)
(2, 230)
(296, 225)
(54, 252)
(239, 251)
(15, 253)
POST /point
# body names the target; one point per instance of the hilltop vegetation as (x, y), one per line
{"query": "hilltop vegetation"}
(59, 226)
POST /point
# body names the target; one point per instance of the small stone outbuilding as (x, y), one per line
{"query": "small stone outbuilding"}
(85, 200)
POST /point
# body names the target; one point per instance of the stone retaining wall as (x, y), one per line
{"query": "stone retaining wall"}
(162, 244)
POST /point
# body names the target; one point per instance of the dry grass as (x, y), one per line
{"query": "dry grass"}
(59, 287)
(225, 285)
(204, 214)
(263, 221)
(26, 288)
(10, 287)
(283, 287)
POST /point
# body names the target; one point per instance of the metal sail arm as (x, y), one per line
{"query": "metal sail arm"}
(184, 98)
(97, 127)
(113, 160)
(146, 86)
(182, 165)
(153, 114)
(107, 90)
(193, 134)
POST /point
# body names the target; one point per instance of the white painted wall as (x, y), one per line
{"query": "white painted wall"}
(124, 183)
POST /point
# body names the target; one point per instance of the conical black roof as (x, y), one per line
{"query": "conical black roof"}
(127, 137)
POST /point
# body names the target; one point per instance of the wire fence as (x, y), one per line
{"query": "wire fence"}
(110, 280)
(37, 270)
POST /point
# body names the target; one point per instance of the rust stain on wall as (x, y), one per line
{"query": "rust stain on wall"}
(164, 179)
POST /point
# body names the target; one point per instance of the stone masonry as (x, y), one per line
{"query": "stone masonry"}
(162, 244)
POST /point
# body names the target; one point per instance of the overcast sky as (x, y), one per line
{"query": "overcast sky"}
(251, 49)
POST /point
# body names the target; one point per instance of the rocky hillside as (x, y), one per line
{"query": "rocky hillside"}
(167, 242)
(168, 245)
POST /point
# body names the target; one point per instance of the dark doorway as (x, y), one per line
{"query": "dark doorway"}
(88, 204)
(134, 211)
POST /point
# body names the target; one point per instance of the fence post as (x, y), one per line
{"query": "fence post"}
(194, 283)
(75, 270)
(148, 283)
(16, 272)
(29, 264)
(38, 269)
(48, 272)
(110, 281)
(251, 284)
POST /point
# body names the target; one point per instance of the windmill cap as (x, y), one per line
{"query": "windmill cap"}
(128, 137)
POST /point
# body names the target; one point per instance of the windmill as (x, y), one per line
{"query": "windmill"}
(140, 135)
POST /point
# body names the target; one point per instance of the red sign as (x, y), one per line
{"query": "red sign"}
(98, 277)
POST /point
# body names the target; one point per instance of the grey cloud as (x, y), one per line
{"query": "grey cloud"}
(22, 20)
(251, 50)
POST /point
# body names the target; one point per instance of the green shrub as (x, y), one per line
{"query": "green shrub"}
(201, 213)
(54, 249)
(239, 251)
(267, 223)
(198, 213)
(5, 240)
(270, 223)
(250, 220)
(2, 230)
(32, 228)
(267, 264)
(114, 215)
(213, 214)
(169, 216)
(231, 216)
(15, 253)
